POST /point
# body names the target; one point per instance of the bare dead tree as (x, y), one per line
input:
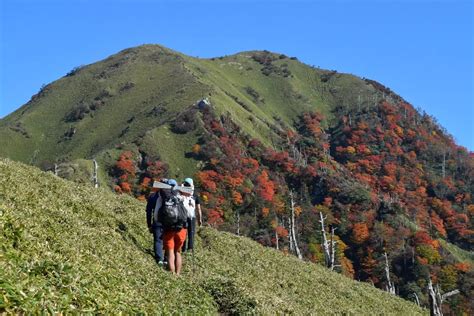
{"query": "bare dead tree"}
(329, 247)
(290, 236)
(417, 300)
(327, 254)
(333, 249)
(95, 177)
(292, 227)
(56, 170)
(296, 153)
(435, 308)
(436, 298)
(390, 288)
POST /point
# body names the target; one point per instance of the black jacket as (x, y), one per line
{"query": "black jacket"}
(150, 207)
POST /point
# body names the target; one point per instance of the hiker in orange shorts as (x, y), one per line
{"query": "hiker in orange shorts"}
(173, 216)
(173, 241)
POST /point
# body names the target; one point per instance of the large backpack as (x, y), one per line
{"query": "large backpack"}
(172, 214)
(190, 206)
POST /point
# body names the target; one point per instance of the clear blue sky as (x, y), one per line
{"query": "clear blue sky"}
(423, 50)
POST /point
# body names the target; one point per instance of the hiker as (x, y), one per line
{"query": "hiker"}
(191, 203)
(173, 217)
(154, 226)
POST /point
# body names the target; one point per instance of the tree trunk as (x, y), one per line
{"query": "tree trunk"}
(290, 236)
(390, 287)
(95, 177)
(292, 232)
(436, 299)
(333, 250)
(329, 247)
(417, 300)
(327, 254)
(276, 241)
(435, 309)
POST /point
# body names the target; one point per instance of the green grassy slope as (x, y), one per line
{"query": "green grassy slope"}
(459, 254)
(141, 90)
(68, 247)
(156, 78)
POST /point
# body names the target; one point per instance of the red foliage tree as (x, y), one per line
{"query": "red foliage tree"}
(360, 233)
(265, 187)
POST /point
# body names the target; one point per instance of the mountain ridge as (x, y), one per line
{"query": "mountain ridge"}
(272, 144)
(126, 56)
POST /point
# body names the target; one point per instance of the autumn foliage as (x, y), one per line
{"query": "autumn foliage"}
(387, 178)
(375, 174)
(132, 177)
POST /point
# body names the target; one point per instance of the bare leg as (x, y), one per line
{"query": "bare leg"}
(170, 255)
(178, 262)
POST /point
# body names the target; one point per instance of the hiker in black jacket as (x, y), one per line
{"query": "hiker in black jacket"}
(155, 227)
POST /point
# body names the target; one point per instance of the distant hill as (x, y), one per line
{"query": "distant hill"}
(135, 95)
(71, 248)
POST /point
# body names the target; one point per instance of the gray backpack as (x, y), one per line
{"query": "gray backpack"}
(172, 213)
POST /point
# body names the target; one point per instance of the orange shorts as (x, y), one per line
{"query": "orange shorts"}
(174, 239)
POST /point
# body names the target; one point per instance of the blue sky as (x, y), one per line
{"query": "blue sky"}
(422, 50)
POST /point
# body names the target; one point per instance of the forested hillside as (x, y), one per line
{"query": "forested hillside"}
(386, 179)
(276, 147)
